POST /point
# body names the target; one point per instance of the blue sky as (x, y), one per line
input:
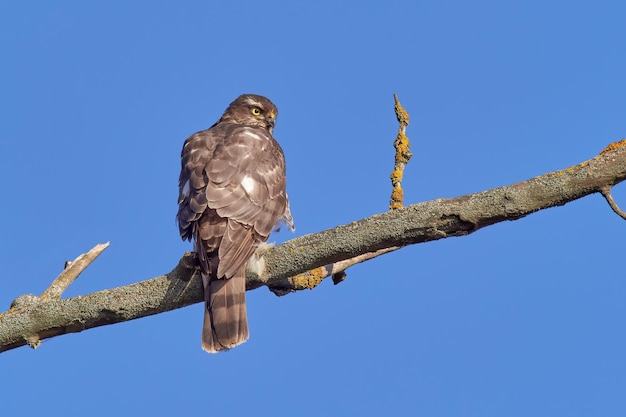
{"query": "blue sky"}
(521, 318)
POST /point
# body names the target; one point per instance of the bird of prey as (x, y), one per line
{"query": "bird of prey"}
(232, 194)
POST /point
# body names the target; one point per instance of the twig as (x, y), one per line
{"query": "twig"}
(314, 277)
(606, 192)
(71, 272)
(403, 154)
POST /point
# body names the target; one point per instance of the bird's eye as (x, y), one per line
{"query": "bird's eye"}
(256, 111)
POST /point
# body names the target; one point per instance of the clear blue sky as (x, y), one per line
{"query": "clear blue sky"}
(519, 319)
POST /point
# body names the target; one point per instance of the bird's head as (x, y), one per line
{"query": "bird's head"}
(252, 110)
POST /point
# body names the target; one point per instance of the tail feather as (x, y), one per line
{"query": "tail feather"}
(225, 317)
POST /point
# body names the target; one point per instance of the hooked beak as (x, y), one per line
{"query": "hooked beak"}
(270, 121)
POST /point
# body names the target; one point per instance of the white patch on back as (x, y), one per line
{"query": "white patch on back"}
(186, 189)
(248, 184)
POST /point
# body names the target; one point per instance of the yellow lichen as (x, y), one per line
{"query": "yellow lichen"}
(396, 176)
(613, 146)
(397, 194)
(309, 279)
(574, 168)
(395, 205)
(397, 198)
(401, 114)
(403, 153)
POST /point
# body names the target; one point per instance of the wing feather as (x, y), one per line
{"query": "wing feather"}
(231, 191)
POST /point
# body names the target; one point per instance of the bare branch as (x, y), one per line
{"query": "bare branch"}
(72, 271)
(606, 192)
(31, 319)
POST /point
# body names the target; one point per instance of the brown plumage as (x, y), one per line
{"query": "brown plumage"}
(231, 195)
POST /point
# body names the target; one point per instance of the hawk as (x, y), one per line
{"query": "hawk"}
(232, 194)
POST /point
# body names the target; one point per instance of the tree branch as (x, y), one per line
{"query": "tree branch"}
(284, 268)
(72, 270)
